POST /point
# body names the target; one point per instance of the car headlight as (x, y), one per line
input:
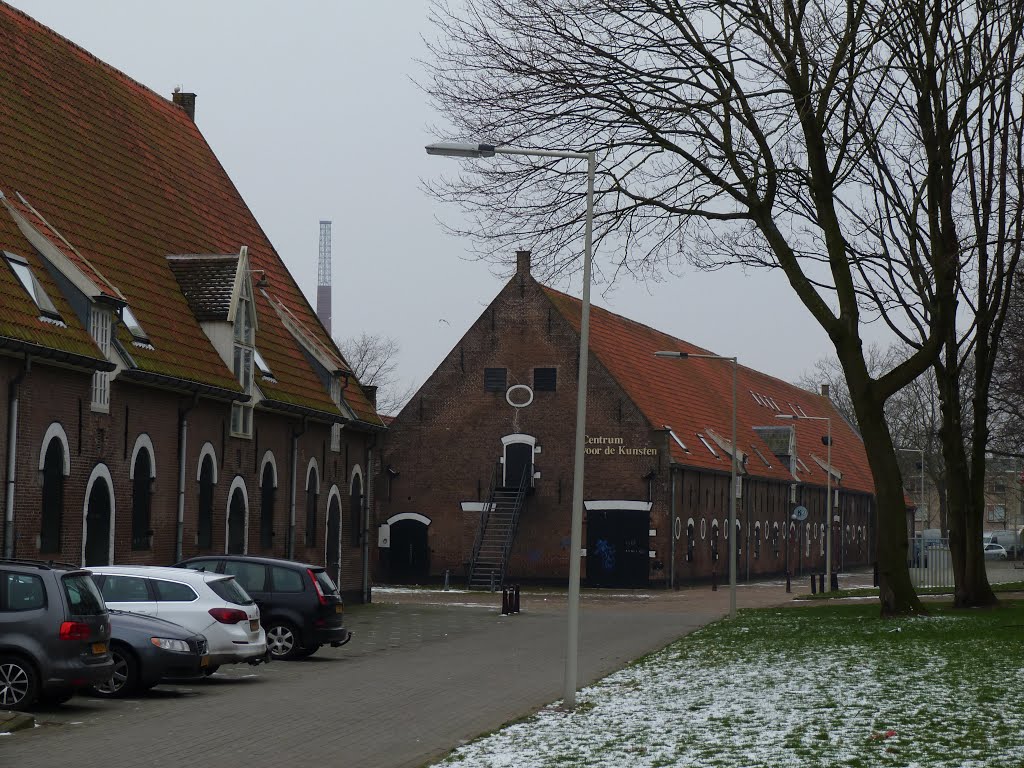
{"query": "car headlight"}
(170, 645)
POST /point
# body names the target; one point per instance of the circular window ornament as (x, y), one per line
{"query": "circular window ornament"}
(519, 396)
(677, 528)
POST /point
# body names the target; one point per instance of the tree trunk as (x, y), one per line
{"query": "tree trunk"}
(896, 592)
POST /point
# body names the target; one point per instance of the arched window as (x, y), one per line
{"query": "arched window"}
(52, 520)
(690, 540)
(355, 511)
(142, 495)
(312, 497)
(207, 478)
(267, 494)
(757, 540)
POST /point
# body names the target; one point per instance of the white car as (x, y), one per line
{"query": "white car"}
(211, 604)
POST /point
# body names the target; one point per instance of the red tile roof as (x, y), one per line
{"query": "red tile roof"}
(127, 179)
(694, 396)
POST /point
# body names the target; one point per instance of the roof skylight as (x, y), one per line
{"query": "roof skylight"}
(21, 269)
(261, 364)
(707, 445)
(133, 325)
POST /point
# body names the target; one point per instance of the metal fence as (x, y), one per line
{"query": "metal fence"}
(930, 562)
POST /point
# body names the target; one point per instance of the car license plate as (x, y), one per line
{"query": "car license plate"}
(338, 609)
(254, 625)
(204, 662)
(99, 648)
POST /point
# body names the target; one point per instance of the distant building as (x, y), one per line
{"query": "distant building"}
(168, 390)
(479, 462)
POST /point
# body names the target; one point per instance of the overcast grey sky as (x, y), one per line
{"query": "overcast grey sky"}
(311, 108)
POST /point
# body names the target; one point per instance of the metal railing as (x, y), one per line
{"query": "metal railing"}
(930, 562)
(484, 515)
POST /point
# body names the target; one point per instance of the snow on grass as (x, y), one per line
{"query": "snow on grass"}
(821, 686)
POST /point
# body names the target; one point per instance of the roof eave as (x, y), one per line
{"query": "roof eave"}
(57, 355)
(182, 385)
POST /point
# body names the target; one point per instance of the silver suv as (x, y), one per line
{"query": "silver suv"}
(54, 633)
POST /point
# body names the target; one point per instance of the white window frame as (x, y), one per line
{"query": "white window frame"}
(100, 326)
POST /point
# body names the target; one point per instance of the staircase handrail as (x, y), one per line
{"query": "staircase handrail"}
(524, 485)
(484, 517)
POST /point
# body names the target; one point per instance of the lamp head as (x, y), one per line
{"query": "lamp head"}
(676, 355)
(455, 149)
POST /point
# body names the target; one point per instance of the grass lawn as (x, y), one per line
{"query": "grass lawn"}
(816, 685)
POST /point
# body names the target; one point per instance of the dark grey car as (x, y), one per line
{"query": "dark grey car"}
(148, 650)
(54, 633)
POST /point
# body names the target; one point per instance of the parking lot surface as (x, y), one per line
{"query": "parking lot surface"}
(426, 670)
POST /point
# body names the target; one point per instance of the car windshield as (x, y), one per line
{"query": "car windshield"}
(231, 591)
(83, 597)
(325, 583)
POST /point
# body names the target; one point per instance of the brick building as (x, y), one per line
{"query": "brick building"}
(476, 471)
(168, 390)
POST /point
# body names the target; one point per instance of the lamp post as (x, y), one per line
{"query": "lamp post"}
(828, 489)
(732, 471)
(920, 499)
(448, 149)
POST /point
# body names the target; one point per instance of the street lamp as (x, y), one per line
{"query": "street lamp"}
(448, 149)
(732, 471)
(828, 488)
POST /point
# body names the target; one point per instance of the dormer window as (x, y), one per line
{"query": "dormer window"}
(21, 269)
(241, 413)
(99, 329)
(336, 428)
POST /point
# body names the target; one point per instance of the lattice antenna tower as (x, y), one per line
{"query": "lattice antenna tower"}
(323, 282)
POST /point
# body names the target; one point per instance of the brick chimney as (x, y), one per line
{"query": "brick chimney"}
(522, 262)
(186, 101)
(825, 391)
(371, 394)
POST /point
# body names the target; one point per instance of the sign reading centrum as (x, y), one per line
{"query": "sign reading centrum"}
(614, 446)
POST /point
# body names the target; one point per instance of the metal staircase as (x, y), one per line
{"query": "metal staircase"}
(498, 523)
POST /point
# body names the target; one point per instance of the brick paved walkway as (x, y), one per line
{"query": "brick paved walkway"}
(426, 671)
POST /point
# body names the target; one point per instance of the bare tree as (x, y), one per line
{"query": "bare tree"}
(857, 146)
(374, 361)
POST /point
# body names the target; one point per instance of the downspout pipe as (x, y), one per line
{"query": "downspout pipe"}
(672, 531)
(13, 397)
(366, 519)
(295, 483)
(179, 528)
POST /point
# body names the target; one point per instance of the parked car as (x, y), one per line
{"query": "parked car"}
(214, 605)
(300, 606)
(995, 552)
(147, 650)
(54, 633)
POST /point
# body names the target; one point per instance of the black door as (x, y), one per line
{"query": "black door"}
(236, 524)
(410, 555)
(97, 525)
(334, 541)
(518, 462)
(617, 542)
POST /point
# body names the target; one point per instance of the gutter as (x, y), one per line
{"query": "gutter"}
(12, 454)
(179, 532)
(58, 355)
(181, 385)
(294, 482)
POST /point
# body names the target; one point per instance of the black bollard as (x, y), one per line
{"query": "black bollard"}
(835, 582)
(789, 587)
(515, 599)
(504, 601)
(821, 583)
(874, 582)
(714, 580)
(814, 585)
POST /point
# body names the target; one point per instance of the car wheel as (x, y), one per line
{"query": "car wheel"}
(19, 683)
(125, 679)
(282, 640)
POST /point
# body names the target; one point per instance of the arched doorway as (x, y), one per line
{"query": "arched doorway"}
(409, 551)
(517, 460)
(97, 524)
(333, 553)
(236, 522)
